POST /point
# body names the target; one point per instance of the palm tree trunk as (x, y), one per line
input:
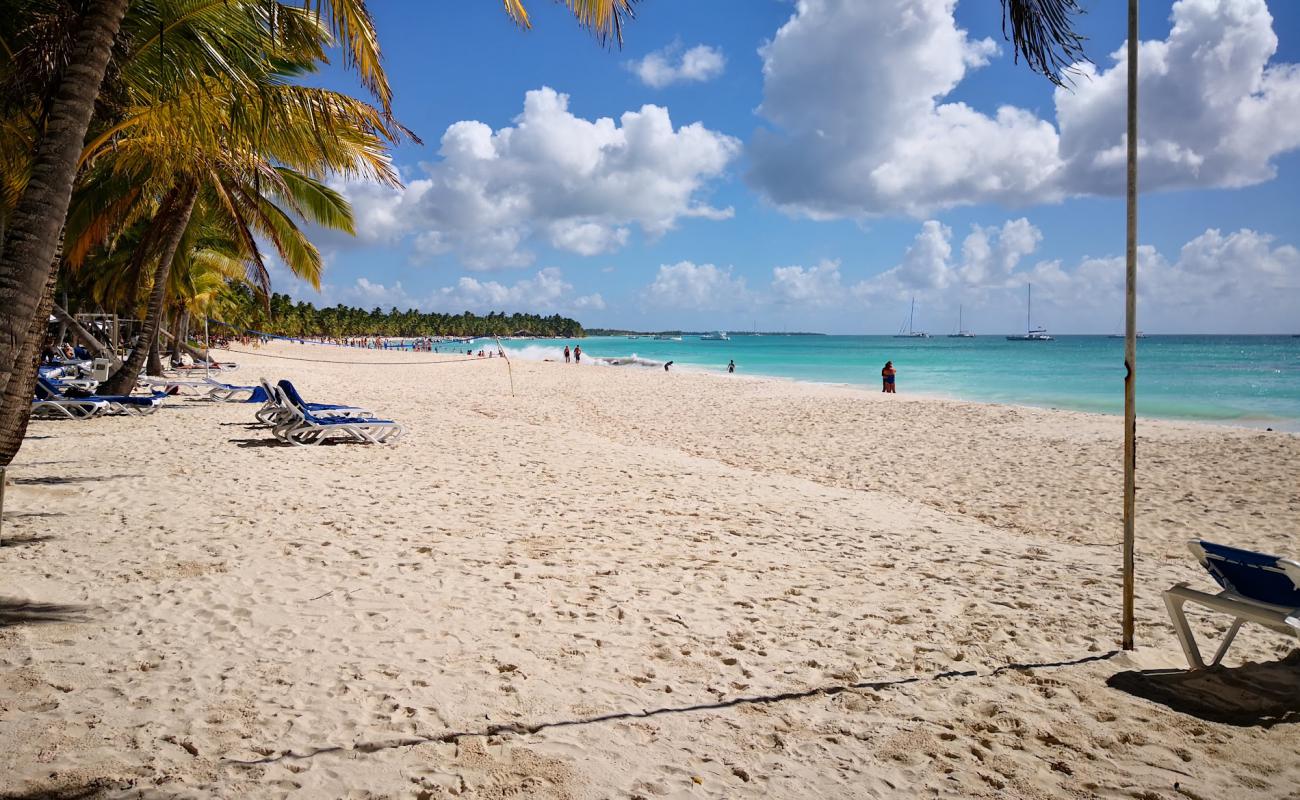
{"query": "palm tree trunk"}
(16, 401)
(178, 206)
(154, 365)
(180, 331)
(32, 235)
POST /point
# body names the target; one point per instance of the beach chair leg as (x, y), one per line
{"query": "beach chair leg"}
(1174, 604)
(1227, 641)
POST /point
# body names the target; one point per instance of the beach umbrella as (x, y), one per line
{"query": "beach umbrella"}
(1130, 328)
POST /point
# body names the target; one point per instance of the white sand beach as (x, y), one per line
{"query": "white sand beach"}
(631, 584)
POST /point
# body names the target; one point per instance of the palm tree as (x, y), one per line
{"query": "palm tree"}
(31, 232)
(239, 165)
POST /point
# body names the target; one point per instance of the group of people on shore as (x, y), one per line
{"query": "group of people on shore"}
(576, 354)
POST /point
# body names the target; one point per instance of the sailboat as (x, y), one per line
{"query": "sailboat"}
(1031, 333)
(961, 333)
(911, 334)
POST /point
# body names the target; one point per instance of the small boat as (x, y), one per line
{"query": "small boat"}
(1031, 333)
(663, 337)
(633, 336)
(717, 336)
(911, 334)
(1140, 335)
(961, 333)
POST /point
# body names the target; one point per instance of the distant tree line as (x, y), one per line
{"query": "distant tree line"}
(242, 310)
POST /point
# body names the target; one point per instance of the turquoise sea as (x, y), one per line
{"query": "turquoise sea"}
(1241, 380)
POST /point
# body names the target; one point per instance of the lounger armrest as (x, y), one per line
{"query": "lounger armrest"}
(1280, 618)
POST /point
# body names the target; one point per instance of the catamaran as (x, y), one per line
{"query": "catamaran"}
(717, 336)
(1031, 333)
(961, 333)
(911, 334)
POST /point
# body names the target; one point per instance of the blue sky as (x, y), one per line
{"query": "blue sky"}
(820, 177)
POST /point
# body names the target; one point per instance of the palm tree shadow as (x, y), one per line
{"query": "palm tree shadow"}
(1251, 695)
(58, 480)
(15, 611)
(17, 541)
(94, 789)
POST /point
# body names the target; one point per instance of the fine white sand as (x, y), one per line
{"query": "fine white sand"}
(625, 583)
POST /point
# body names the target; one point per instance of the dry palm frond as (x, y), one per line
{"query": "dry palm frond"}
(1042, 32)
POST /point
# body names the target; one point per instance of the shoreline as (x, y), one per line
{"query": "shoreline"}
(1290, 427)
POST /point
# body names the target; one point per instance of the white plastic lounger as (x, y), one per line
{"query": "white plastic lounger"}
(192, 387)
(1257, 588)
(68, 408)
(230, 393)
(278, 409)
(305, 428)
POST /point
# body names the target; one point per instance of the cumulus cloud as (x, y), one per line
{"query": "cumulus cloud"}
(577, 185)
(670, 65)
(1242, 280)
(988, 259)
(857, 94)
(686, 285)
(546, 291)
(819, 285)
(1213, 111)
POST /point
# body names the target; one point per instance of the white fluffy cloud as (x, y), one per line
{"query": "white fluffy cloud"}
(857, 94)
(813, 286)
(988, 259)
(546, 291)
(670, 65)
(687, 285)
(578, 185)
(1238, 281)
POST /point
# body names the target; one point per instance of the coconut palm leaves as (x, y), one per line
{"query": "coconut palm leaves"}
(1042, 32)
(604, 18)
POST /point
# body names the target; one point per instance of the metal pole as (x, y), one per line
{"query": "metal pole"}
(1130, 327)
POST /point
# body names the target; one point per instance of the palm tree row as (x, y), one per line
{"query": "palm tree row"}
(241, 310)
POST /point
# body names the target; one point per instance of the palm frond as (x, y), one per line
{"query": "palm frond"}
(1042, 32)
(315, 201)
(604, 18)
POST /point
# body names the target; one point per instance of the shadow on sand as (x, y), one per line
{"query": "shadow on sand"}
(19, 541)
(58, 480)
(14, 611)
(95, 789)
(1260, 695)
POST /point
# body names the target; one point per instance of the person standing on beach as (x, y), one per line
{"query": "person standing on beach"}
(566, 354)
(577, 353)
(887, 376)
(731, 366)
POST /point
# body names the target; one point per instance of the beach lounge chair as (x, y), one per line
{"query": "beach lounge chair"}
(305, 427)
(55, 405)
(278, 408)
(1257, 588)
(229, 393)
(117, 404)
(175, 385)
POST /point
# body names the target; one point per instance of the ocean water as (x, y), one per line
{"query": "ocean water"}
(1241, 380)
